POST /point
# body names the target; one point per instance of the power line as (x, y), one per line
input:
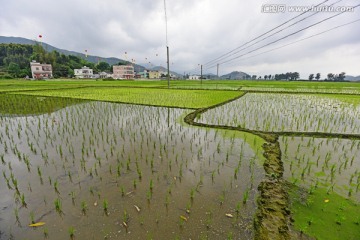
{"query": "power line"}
(291, 34)
(303, 39)
(263, 34)
(293, 24)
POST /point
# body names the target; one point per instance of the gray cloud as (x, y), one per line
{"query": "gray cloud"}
(198, 32)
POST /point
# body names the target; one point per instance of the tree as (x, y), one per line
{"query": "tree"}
(311, 77)
(253, 77)
(265, 77)
(341, 76)
(317, 76)
(25, 72)
(102, 67)
(288, 76)
(14, 69)
(330, 77)
(269, 76)
(295, 75)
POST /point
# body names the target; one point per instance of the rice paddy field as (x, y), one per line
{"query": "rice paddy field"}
(210, 160)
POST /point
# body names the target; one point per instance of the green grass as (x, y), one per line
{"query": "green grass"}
(146, 96)
(22, 85)
(15, 85)
(325, 216)
(255, 142)
(348, 99)
(30, 105)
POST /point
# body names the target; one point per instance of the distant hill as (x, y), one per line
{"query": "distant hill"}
(49, 48)
(236, 75)
(162, 69)
(352, 78)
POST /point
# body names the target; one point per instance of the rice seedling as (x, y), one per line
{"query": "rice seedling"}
(122, 190)
(106, 207)
(123, 139)
(46, 233)
(125, 217)
(32, 217)
(84, 207)
(245, 196)
(58, 206)
(151, 186)
(23, 202)
(209, 219)
(71, 232)
(56, 187)
(148, 195)
(297, 110)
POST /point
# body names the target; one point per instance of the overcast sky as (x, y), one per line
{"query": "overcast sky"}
(198, 31)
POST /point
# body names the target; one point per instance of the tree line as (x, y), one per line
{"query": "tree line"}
(292, 76)
(15, 61)
(330, 77)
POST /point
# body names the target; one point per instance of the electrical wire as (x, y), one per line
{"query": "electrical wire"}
(263, 34)
(282, 38)
(303, 39)
(293, 24)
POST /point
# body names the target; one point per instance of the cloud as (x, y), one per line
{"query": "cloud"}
(198, 31)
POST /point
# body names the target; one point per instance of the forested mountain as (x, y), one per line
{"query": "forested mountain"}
(15, 61)
(50, 48)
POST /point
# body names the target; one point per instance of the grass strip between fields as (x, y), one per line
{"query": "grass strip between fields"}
(324, 216)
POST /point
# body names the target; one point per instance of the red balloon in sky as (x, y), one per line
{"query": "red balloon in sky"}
(40, 36)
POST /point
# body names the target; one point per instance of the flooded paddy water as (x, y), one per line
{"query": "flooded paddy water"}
(287, 113)
(321, 172)
(333, 164)
(324, 179)
(98, 170)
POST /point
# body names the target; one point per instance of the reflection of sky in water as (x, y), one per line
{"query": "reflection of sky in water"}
(283, 112)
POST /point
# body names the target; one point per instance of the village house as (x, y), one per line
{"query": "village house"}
(84, 72)
(41, 71)
(105, 75)
(123, 72)
(194, 77)
(154, 75)
(144, 74)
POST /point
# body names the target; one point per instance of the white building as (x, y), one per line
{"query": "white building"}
(194, 77)
(105, 75)
(41, 71)
(84, 72)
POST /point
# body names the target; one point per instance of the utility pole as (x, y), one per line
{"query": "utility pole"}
(217, 70)
(167, 46)
(201, 77)
(168, 63)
